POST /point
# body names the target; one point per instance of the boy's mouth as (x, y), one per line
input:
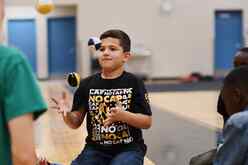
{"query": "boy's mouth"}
(106, 59)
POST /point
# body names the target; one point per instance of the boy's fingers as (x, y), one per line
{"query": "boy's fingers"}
(57, 108)
(113, 110)
(67, 110)
(54, 100)
(106, 122)
(109, 115)
(54, 107)
(118, 104)
(64, 113)
(65, 76)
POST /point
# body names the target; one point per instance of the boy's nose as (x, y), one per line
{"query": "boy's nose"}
(106, 52)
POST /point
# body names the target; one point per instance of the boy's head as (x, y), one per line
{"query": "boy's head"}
(123, 38)
(241, 57)
(114, 50)
(235, 90)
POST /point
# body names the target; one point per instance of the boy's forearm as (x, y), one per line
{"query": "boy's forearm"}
(74, 119)
(137, 120)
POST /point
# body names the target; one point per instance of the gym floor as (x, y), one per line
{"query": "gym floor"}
(184, 124)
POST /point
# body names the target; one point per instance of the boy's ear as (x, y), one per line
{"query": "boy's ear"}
(126, 56)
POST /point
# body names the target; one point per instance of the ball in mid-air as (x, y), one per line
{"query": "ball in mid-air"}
(95, 42)
(44, 6)
(73, 79)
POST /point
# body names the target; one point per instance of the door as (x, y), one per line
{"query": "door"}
(61, 45)
(228, 38)
(22, 35)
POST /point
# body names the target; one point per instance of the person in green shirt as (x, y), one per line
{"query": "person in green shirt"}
(21, 103)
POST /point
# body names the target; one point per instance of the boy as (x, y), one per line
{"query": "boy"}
(117, 108)
(234, 149)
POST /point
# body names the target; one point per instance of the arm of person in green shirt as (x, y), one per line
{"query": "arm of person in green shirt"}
(22, 136)
(23, 102)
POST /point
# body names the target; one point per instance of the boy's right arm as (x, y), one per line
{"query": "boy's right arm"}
(74, 119)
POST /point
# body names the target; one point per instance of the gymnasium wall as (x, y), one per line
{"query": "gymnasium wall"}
(28, 12)
(181, 38)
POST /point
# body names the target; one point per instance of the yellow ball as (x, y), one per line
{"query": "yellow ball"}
(44, 8)
(73, 79)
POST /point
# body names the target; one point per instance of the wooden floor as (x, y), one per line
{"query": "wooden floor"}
(184, 125)
(197, 106)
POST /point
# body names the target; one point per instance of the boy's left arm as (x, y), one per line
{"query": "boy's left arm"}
(140, 114)
(137, 120)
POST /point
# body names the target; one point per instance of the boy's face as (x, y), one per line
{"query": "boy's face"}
(111, 56)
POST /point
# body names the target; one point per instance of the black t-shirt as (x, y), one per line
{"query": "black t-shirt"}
(97, 95)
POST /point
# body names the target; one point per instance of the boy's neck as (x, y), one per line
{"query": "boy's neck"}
(112, 74)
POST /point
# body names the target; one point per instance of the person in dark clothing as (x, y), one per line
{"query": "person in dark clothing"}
(234, 149)
(21, 103)
(240, 59)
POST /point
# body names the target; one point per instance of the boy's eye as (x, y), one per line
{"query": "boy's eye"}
(112, 49)
(102, 49)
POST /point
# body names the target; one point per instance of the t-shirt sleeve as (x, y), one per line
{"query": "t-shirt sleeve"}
(80, 100)
(22, 94)
(141, 103)
(233, 151)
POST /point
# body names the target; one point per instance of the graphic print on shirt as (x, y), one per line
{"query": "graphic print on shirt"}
(100, 102)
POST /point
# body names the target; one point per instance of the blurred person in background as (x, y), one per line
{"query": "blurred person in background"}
(234, 149)
(240, 59)
(21, 103)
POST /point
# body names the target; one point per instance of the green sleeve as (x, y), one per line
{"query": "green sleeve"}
(22, 93)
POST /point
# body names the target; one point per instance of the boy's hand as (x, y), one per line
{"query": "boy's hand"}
(61, 106)
(116, 114)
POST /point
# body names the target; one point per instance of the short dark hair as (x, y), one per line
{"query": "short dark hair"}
(124, 39)
(238, 78)
(244, 49)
